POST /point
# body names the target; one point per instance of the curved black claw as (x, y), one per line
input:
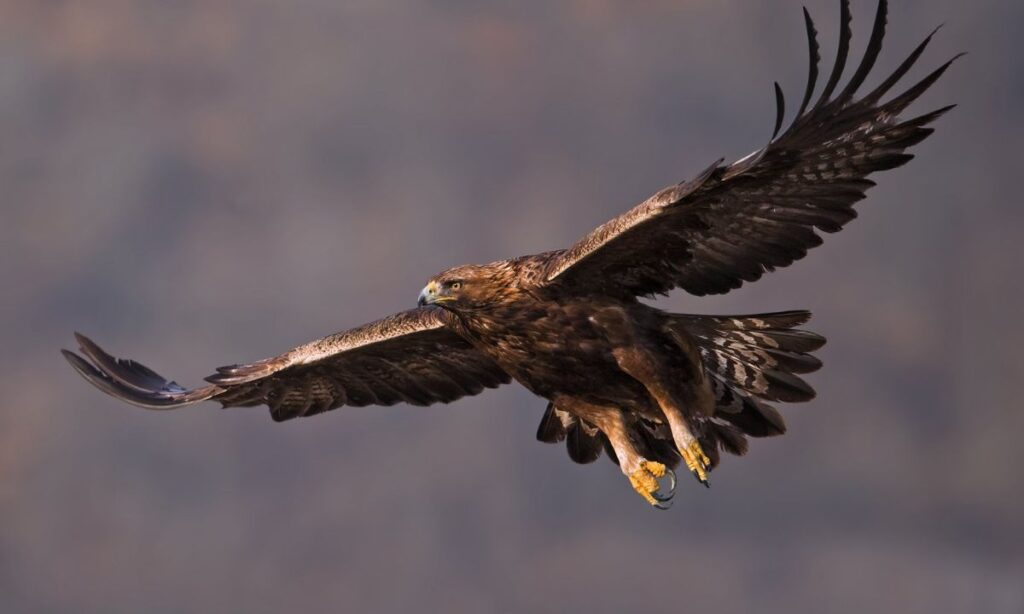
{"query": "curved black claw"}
(666, 498)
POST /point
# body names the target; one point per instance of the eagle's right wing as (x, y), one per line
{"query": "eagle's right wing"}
(412, 357)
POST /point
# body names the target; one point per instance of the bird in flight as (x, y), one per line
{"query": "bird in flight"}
(649, 388)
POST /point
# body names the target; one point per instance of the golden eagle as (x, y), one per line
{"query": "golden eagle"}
(649, 388)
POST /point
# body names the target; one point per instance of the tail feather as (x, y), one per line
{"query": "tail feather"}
(762, 321)
(751, 360)
(753, 416)
(793, 362)
(766, 357)
(730, 438)
(758, 354)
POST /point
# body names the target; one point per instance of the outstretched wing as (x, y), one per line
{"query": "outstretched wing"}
(412, 357)
(732, 223)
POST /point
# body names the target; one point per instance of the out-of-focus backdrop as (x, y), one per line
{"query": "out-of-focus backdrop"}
(196, 183)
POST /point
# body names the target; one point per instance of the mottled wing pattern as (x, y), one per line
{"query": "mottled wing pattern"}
(732, 223)
(411, 357)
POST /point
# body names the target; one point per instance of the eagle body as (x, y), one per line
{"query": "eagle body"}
(653, 390)
(563, 345)
(590, 351)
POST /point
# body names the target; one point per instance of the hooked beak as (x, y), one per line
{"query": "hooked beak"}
(429, 295)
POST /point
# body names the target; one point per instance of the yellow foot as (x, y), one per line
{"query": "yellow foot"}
(645, 482)
(696, 461)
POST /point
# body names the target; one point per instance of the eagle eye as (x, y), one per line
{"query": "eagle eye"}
(455, 285)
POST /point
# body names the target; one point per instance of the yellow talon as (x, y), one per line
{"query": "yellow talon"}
(655, 469)
(696, 461)
(645, 483)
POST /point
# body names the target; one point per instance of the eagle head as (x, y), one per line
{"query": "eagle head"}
(464, 287)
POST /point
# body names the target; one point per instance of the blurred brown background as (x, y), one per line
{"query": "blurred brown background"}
(197, 183)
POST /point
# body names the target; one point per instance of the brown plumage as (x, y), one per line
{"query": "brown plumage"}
(650, 388)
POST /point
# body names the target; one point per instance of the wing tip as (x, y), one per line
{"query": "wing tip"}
(108, 374)
(780, 109)
(78, 363)
(85, 344)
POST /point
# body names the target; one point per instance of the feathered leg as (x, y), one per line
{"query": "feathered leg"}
(669, 366)
(642, 366)
(643, 474)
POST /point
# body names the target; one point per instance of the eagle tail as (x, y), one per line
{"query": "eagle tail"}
(752, 360)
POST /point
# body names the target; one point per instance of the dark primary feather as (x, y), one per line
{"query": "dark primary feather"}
(870, 54)
(131, 381)
(733, 223)
(815, 57)
(845, 35)
(780, 109)
(410, 357)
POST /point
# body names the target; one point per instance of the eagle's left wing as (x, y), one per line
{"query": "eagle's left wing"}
(414, 357)
(734, 222)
